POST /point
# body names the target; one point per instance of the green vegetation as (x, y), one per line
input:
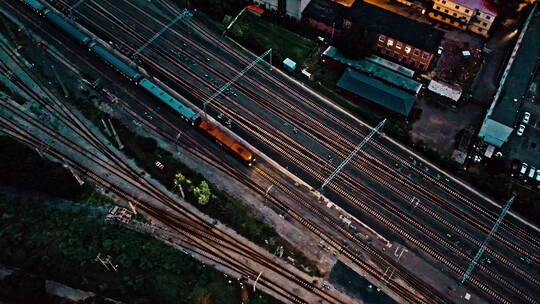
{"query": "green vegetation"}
(205, 197)
(259, 35)
(210, 200)
(62, 246)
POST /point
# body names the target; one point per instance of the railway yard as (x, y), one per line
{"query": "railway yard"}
(405, 225)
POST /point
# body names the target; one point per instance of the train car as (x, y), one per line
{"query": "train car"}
(185, 112)
(227, 142)
(115, 62)
(70, 29)
(37, 6)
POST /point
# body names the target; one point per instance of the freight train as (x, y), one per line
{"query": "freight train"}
(209, 129)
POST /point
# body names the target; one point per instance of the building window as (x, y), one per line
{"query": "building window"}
(421, 66)
(407, 49)
(416, 52)
(396, 55)
(457, 6)
(387, 52)
(425, 55)
(347, 24)
(477, 12)
(479, 29)
(444, 1)
(484, 23)
(466, 11)
(382, 38)
(398, 45)
(446, 11)
(488, 17)
(455, 15)
(390, 42)
(438, 8)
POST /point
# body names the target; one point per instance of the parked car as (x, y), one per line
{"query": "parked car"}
(520, 130)
(524, 168)
(526, 117)
(532, 172)
(538, 175)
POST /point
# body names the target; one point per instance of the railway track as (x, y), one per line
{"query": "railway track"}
(229, 170)
(512, 266)
(124, 171)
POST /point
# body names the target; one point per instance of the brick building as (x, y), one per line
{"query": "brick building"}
(474, 15)
(399, 39)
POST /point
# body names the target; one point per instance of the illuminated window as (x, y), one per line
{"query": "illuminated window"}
(390, 42)
(381, 38)
(425, 56)
(407, 49)
(416, 52)
(398, 45)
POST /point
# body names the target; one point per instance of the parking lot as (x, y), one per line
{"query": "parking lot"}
(526, 148)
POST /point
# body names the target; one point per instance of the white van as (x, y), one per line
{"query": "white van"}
(524, 167)
(532, 172)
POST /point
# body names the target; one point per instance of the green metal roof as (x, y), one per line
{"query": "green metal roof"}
(375, 70)
(376, 91)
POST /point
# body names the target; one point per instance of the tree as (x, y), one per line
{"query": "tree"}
(356, 43)
(202, 192)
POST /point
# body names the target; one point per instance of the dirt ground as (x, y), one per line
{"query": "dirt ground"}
(439, 124)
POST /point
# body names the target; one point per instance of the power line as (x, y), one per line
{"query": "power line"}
(488, 238)
(353, 153)
(235, 78)
(185, 13)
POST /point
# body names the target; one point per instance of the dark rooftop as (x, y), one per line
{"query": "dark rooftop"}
(325, 11)
(517, 83)
(420, 35)
(376, 91)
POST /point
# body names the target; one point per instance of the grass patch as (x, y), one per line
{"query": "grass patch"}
(221, 206)
(62, 245)
(259, 35)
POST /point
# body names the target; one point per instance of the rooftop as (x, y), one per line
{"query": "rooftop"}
(482, 5)
(420, 35)
(375, 70)
(376, 91)
(517, 82)
(503, 114)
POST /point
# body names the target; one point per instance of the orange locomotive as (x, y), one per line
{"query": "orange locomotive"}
(225, 140)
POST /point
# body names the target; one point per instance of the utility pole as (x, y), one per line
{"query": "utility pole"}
(120, 145)
(66, 94)
(235, 78)
(353, 153)
(255, 283)
(267, 192)
(232, 22)
(484, 244)
(185, 13)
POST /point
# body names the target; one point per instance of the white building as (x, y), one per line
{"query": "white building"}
(291, 8)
